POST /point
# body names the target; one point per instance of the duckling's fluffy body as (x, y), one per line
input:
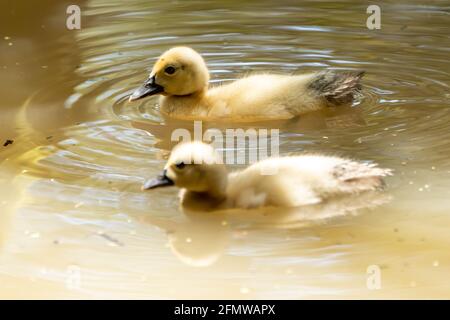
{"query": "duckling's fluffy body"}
(253, 98)
(300, 180)
(280, 182)
(180, 75)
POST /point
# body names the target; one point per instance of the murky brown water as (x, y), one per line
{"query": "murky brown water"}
(74, 223)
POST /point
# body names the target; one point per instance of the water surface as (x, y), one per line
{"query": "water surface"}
(74, 223)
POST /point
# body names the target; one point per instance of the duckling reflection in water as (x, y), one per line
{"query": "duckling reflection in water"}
(181, 76)
(295, 181)
(199, 239)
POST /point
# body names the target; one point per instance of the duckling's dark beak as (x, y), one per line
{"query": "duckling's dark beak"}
(160, 181)
(149, 88)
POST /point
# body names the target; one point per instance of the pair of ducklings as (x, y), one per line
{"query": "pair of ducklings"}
(180, 75)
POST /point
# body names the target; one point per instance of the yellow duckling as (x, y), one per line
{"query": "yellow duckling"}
(293, 181)
(180, 75)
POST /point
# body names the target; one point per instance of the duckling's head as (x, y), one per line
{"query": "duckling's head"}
(180, 71)
(194, 166)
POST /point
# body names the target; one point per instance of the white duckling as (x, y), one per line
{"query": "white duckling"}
(292, 181)
(181, 76)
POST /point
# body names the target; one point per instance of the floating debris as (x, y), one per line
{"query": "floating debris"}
(8, 142)
(110, 239)
(78, 205)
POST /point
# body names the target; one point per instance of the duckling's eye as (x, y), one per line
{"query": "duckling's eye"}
(169, 70)
(180, 165)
